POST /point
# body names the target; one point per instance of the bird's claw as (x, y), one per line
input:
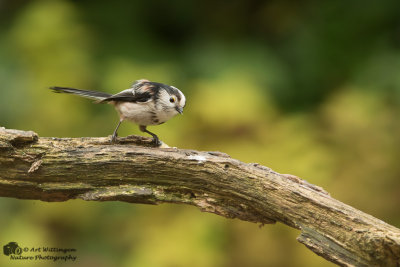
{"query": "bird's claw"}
(114, 138)
(156, 142)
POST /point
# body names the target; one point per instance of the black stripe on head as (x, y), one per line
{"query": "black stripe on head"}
(170, 90)
(178, 94)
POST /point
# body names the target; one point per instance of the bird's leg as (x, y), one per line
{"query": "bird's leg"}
(156, 141)
(115, 134)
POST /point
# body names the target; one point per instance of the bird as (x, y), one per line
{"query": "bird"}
(144, 103)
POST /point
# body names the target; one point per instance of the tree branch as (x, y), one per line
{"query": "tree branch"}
(58, 169)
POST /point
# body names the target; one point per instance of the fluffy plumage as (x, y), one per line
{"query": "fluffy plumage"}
(145, 103)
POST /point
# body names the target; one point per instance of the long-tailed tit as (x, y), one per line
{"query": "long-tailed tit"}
(145, 103)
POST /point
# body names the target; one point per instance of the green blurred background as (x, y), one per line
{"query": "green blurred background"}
(310, 88)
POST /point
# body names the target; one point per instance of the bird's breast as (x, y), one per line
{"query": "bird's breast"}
(142, 113)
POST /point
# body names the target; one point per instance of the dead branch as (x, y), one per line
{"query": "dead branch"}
(59, 169)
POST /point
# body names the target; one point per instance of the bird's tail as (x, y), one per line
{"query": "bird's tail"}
(83, 93)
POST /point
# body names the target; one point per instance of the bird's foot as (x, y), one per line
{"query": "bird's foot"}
(156, 142)
(114, 138)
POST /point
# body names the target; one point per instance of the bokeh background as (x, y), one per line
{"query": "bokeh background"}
(310, 88)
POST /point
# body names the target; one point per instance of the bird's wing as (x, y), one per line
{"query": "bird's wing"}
(138, 83)
(130, 95)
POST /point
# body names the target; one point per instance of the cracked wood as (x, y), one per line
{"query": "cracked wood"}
(59, 169)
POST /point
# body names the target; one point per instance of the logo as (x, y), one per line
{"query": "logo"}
(12, 248)
(40, 253)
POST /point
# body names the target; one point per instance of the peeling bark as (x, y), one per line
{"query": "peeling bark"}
(59, 169)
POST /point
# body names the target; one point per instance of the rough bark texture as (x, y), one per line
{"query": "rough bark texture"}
(58, 169)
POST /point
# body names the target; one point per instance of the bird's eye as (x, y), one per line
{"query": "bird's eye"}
(172, 100)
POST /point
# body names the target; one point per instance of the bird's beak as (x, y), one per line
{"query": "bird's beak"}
(179, 109)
